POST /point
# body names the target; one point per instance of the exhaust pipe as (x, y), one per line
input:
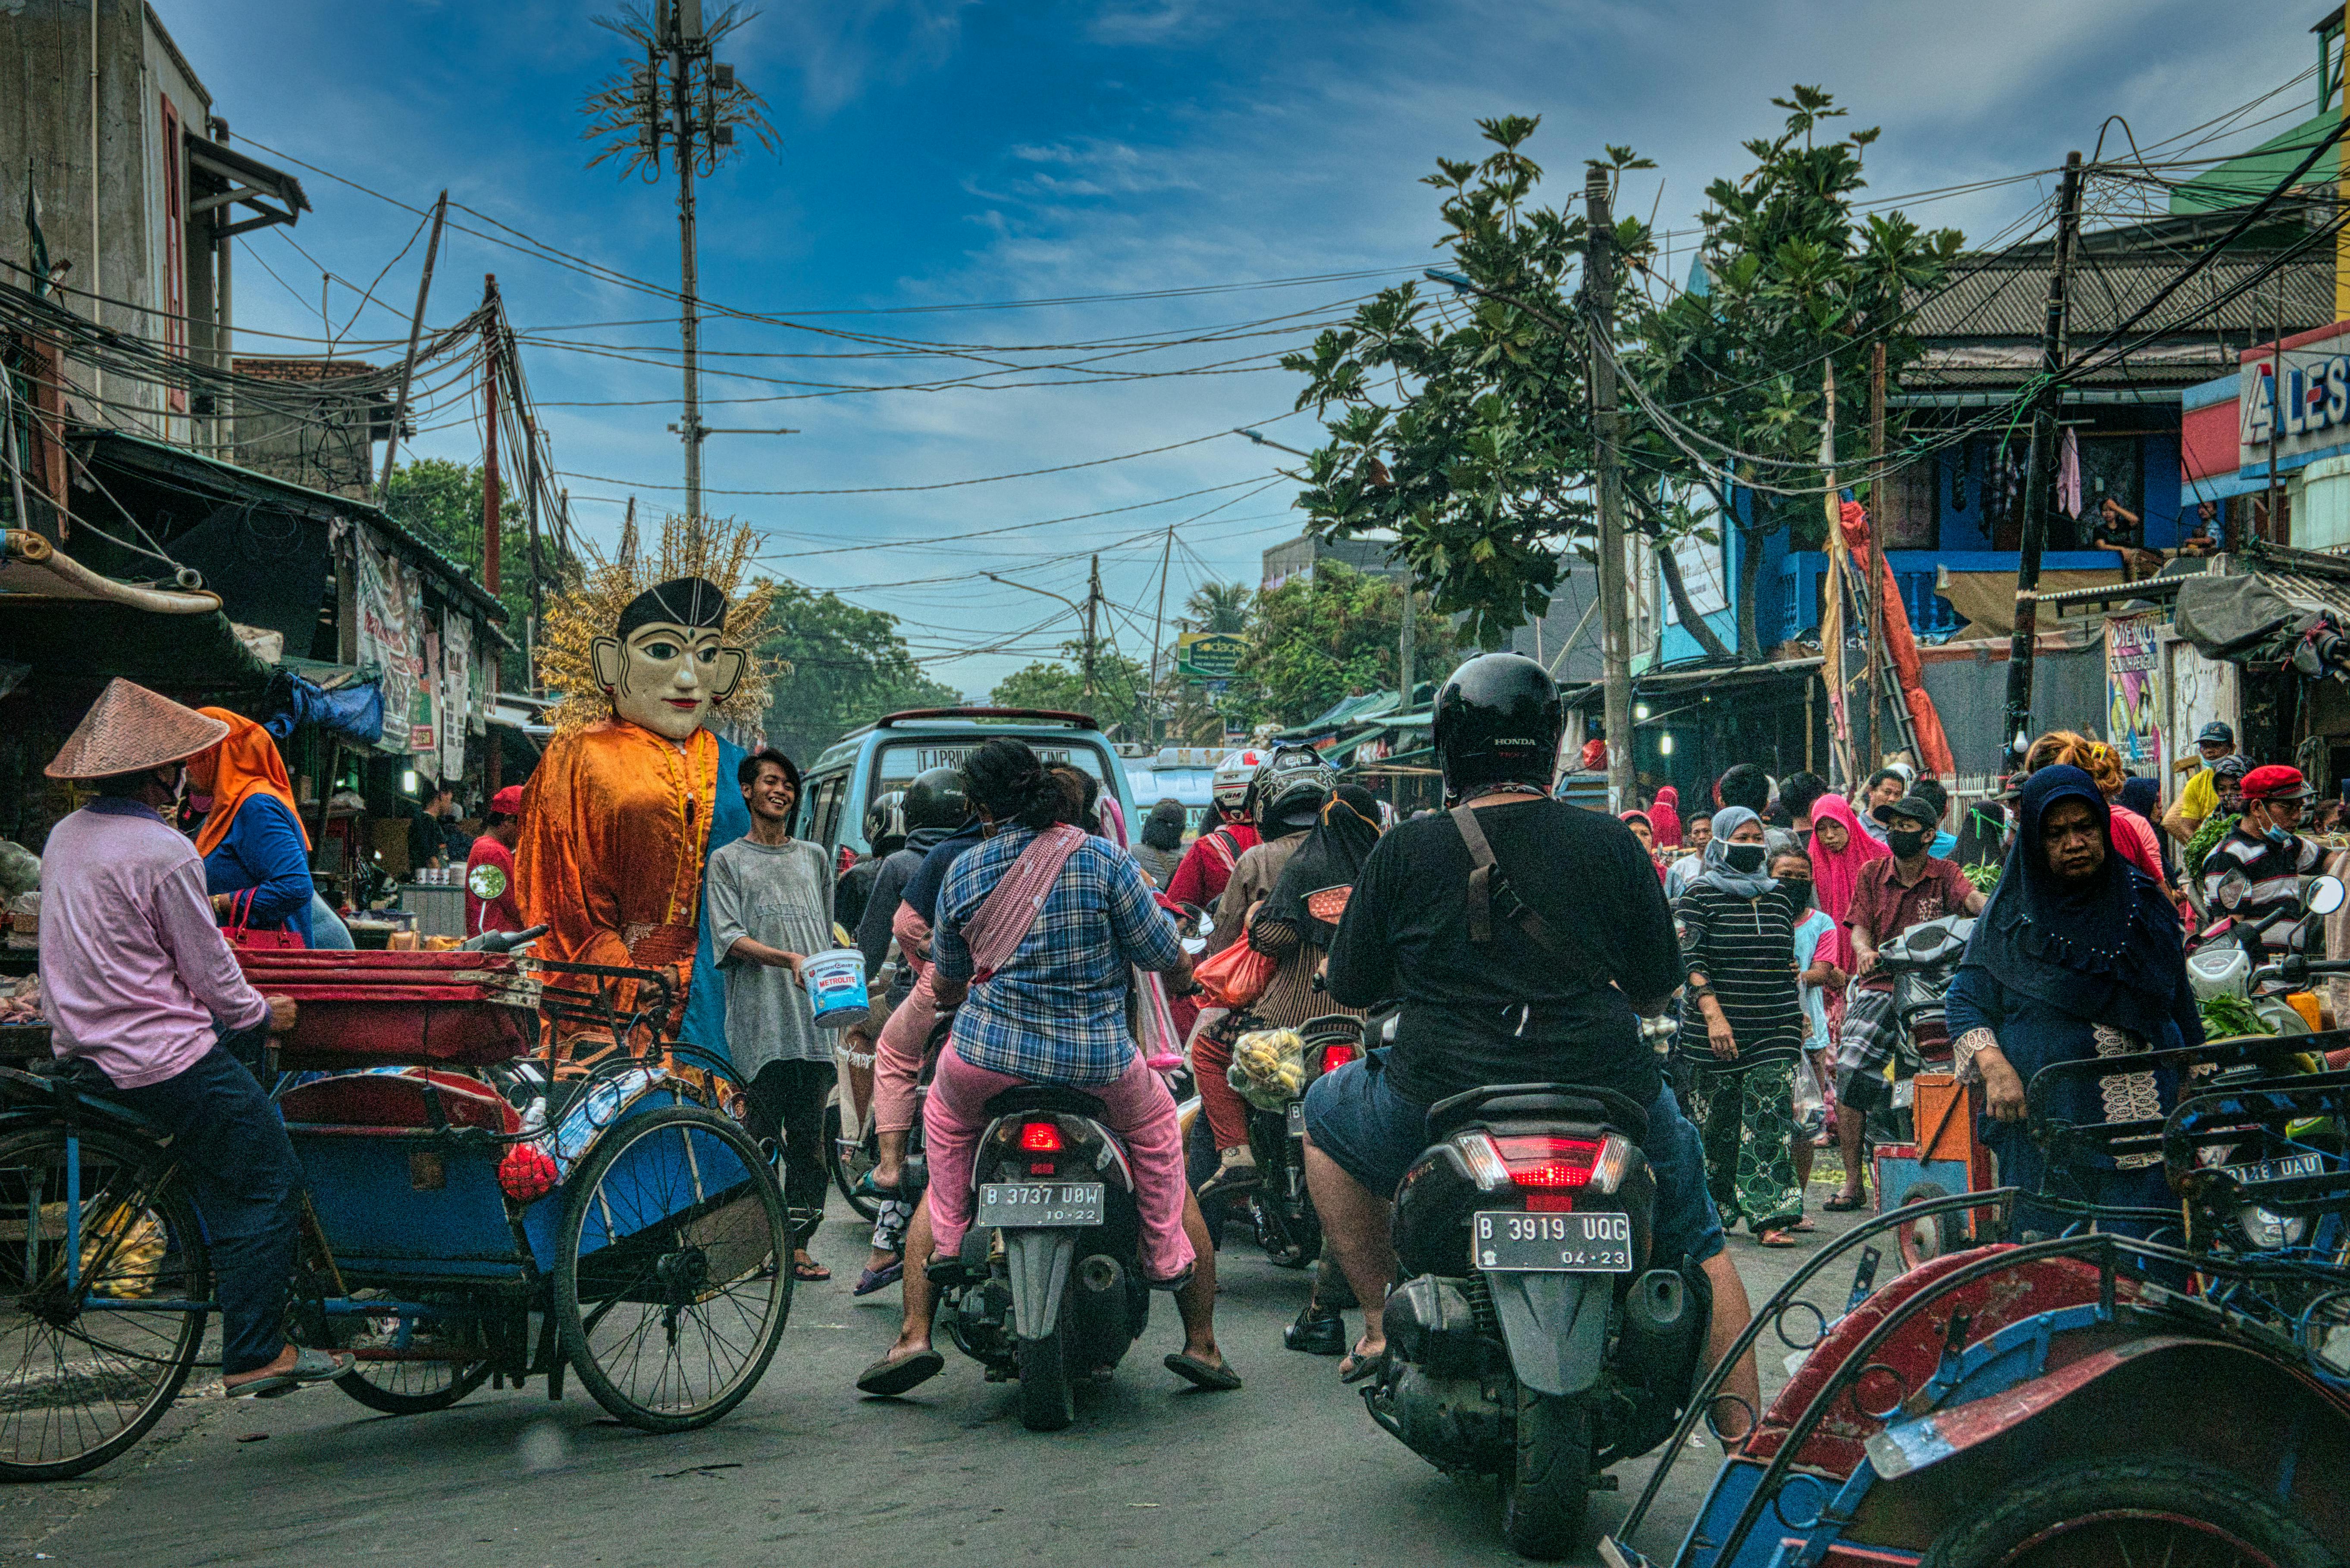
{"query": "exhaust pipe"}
(1101, 1275)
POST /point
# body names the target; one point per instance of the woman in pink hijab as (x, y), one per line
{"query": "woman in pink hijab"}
(1665, 819)
(1839, 849)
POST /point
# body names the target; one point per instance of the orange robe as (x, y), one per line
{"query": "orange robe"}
(614, 823)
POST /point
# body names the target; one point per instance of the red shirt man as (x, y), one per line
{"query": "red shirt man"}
(490, 901)
(1207, 866)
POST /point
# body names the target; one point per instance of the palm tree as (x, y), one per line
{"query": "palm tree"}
(1219, 607)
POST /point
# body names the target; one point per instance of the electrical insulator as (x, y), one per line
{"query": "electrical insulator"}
(722, 76)
(722, 136)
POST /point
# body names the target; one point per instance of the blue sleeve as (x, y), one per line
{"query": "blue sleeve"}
(1145, 934)
(1975, 1001)
(264, 843)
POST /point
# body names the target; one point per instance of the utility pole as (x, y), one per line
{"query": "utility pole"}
(415, 330)
(492, 503)
(1615, 633)
(683, 45)
(1404, 670)
(1093, 598)
(1157, 630)
(2039, 479)
(1881, 581)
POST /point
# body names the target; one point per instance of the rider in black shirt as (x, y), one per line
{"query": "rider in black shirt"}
(1499, 1007)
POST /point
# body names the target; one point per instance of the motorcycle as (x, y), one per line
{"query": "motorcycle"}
(1536, 1336)
(1048, 1288)
(1287, 1228)
(2227, 961)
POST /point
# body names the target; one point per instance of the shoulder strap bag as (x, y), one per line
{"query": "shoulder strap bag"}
(1490, 885)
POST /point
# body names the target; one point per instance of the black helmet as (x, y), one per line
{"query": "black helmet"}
(885, 821)
(1290, 789)
(937, 799)
(1497, 720)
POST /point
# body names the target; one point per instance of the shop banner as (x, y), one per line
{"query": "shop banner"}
(456, 692)
(2134, 689)
(390, 637)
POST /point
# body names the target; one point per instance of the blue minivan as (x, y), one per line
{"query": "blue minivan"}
(868, 763)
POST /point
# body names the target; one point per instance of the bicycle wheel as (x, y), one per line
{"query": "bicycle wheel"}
(849, 1164)
(669, 1286)
(396, 1371)
(86, 1368)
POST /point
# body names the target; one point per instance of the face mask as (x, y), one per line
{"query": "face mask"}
(1905, 842)
(2278, 835)
(1799, 890)
(1744, 857)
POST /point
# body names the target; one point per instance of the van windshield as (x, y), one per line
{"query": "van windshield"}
(898, 765)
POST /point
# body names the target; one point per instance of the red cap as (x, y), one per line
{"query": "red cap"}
(2275, 782)
(507, 802)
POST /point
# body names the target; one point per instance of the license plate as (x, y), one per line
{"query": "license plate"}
(1033, 1205)
(1297, 1119)
(1558, 1243)
(2278, 1170)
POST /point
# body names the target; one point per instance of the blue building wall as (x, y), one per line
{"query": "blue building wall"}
(1963, 474)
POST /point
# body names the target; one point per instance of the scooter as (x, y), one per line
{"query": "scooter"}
(1536, 1336)
(1048, 1288)
(1287, 1228)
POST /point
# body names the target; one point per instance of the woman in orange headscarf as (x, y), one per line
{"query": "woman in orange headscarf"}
(256, 852)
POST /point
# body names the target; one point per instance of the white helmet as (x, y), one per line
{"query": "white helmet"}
(1234, 777)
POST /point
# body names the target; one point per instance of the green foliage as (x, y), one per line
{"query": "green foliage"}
(849, 667)
(1467, 428)
(2229, 1017)
(1328, 633)
(1983, 875)
(1218, 606)
(442, 501)
(1117, 703)
(2208, 835)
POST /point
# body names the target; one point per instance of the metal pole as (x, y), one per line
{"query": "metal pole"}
(97, 270)
(1093, 596)
(492, 504)
(690, 326)
(2038, 479)
(415, 330)
(1157, 630)
(2276, 420)
(1881, 581)
(1614, 635)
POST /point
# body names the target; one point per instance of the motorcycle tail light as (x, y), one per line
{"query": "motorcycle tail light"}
(1546, 1161)
(1545, 1201)
(843, 861)
(1041, 1168)
(1041, 1137)
(1337, 1056)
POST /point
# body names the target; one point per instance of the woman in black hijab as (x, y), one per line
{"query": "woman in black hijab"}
(1161, 849)
(2078, 956)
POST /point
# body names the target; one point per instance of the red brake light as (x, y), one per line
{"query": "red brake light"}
(1041, 1137)
(1337, 1056)
(844, 860)
(1550, 1200)
(1540, 1159)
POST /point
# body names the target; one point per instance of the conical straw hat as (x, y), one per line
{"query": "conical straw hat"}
(129, 728)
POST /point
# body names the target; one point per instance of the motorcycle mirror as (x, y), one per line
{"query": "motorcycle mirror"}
(2232, 889)
(2322, 895)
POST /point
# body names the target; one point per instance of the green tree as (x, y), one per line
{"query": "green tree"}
(1117, 703)
(442, 502)
(1218, 606)
(1328, 633)
(849, 666)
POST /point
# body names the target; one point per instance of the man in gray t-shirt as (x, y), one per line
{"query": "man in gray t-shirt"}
(770, 906)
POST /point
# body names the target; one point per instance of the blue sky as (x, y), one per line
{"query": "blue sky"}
(937, 152)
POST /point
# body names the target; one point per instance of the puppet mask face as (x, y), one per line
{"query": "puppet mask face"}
(665, 676)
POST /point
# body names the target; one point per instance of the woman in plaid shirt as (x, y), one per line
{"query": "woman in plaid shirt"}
(1036, 929)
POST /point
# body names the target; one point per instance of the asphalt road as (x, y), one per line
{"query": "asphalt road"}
(1288, 1471)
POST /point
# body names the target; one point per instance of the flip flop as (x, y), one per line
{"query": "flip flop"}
(1841, 1204)
(1775, 1237)
(868, 1188)
(1359, 1365)
(881, 1279)
(309, 1367)
(1205, 1375)
(887, 1379)
(810, 1272)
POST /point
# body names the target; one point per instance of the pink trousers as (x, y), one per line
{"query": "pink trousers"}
(898, 1053)
(1141, 1111)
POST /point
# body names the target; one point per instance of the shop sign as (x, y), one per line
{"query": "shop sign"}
(1209, 655)
(2313, 415)
(391, 638)
(2134, 688)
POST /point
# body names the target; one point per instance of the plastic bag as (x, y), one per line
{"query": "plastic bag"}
(1236, 976)
(1809, 1101)
(1268, 1067)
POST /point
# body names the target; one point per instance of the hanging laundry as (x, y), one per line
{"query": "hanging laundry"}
(2068, 476)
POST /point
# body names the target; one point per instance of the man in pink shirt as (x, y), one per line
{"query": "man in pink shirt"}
(134, 974)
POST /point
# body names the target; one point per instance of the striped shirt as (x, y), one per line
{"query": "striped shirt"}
(2272, 908)
(1055, 1012)
(1745, 947)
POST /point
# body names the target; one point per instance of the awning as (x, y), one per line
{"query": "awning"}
(1708, 678)
(225, 177)
(31, 565)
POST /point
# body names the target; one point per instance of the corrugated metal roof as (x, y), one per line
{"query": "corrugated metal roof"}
(2008, 298)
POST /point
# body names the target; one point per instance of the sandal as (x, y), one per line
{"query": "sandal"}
(866, 1187)
(1205, 1376)
(886, 1379)
(1777, 1236)
(309, 1367)
(879, 1279)
(808, 1272)
(1847, 1202)
(1361, 1364)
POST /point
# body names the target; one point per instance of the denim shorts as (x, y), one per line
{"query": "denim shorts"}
(1373, 1134)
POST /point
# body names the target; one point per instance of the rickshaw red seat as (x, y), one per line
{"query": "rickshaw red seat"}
(397, 1100)
(398, 1009)
(1914, 1350)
